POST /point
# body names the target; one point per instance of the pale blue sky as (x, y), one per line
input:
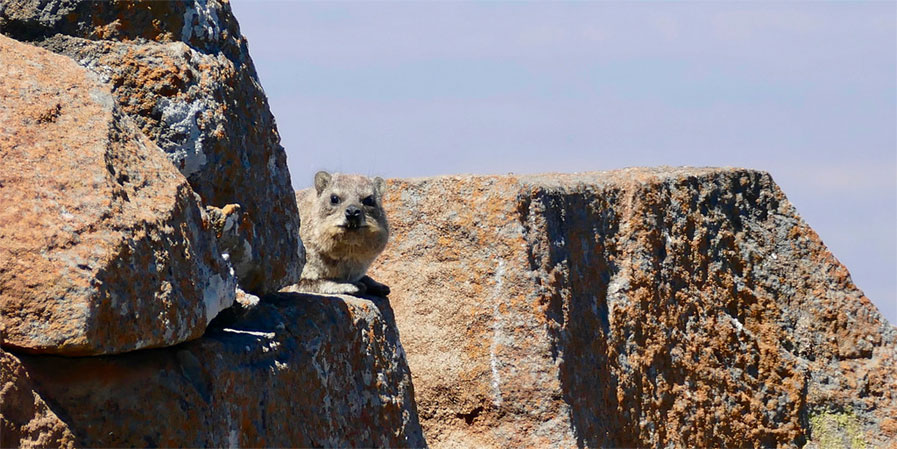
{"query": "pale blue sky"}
(806, 91)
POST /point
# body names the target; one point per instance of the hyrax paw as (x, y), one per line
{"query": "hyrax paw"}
(378, 290)
(374, 288)
(348, 288)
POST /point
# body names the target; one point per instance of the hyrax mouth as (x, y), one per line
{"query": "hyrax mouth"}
(352, 225)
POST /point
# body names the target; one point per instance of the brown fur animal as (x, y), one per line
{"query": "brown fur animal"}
(343, 229)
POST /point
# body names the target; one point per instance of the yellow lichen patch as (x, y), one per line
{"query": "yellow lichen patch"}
(831, 430)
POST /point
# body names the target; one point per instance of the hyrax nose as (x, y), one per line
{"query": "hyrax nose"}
(353, 213)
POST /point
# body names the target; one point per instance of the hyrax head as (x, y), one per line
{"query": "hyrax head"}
(351, 203)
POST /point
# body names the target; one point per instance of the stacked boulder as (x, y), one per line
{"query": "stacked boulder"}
(182, 72)
(143, 189)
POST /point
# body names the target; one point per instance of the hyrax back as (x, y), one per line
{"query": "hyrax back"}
(344, 228)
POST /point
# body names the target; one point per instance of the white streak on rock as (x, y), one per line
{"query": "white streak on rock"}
(254, 333)
(497, 333)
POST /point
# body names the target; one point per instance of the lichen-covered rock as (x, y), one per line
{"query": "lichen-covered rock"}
(292, 371)
(182, 72)
(103, 246)
(635, 308)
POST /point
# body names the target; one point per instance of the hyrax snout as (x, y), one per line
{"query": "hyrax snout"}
(343, 228)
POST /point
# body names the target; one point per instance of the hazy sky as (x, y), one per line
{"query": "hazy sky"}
(806, 91)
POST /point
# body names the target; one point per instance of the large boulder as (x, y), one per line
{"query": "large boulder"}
(635, 308)
(182, 72)
(103, 245)
(290, 371)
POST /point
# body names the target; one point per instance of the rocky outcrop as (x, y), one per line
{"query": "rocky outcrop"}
(182, 72)
(291, 371)
(103, 245)
(636, 308)
(109, 250)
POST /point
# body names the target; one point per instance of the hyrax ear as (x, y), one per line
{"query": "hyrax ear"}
(322, 180)
(380, 185)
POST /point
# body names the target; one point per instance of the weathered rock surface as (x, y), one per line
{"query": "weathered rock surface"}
(103, 245)
(636, 308)
(182, 72)
(292, 371)
(25, 419)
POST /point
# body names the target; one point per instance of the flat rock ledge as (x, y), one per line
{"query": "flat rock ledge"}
(292, 370)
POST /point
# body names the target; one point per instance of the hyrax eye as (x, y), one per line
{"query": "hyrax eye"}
(334, 199)
(368, 201)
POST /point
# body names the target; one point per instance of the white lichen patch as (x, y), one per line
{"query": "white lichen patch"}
(271, 346)
(218, 294)
(183, 139)
(201, 21)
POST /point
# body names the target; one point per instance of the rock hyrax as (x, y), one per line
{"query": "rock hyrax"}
(343, 228)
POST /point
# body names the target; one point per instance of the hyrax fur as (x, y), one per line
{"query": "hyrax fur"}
(344, 228)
